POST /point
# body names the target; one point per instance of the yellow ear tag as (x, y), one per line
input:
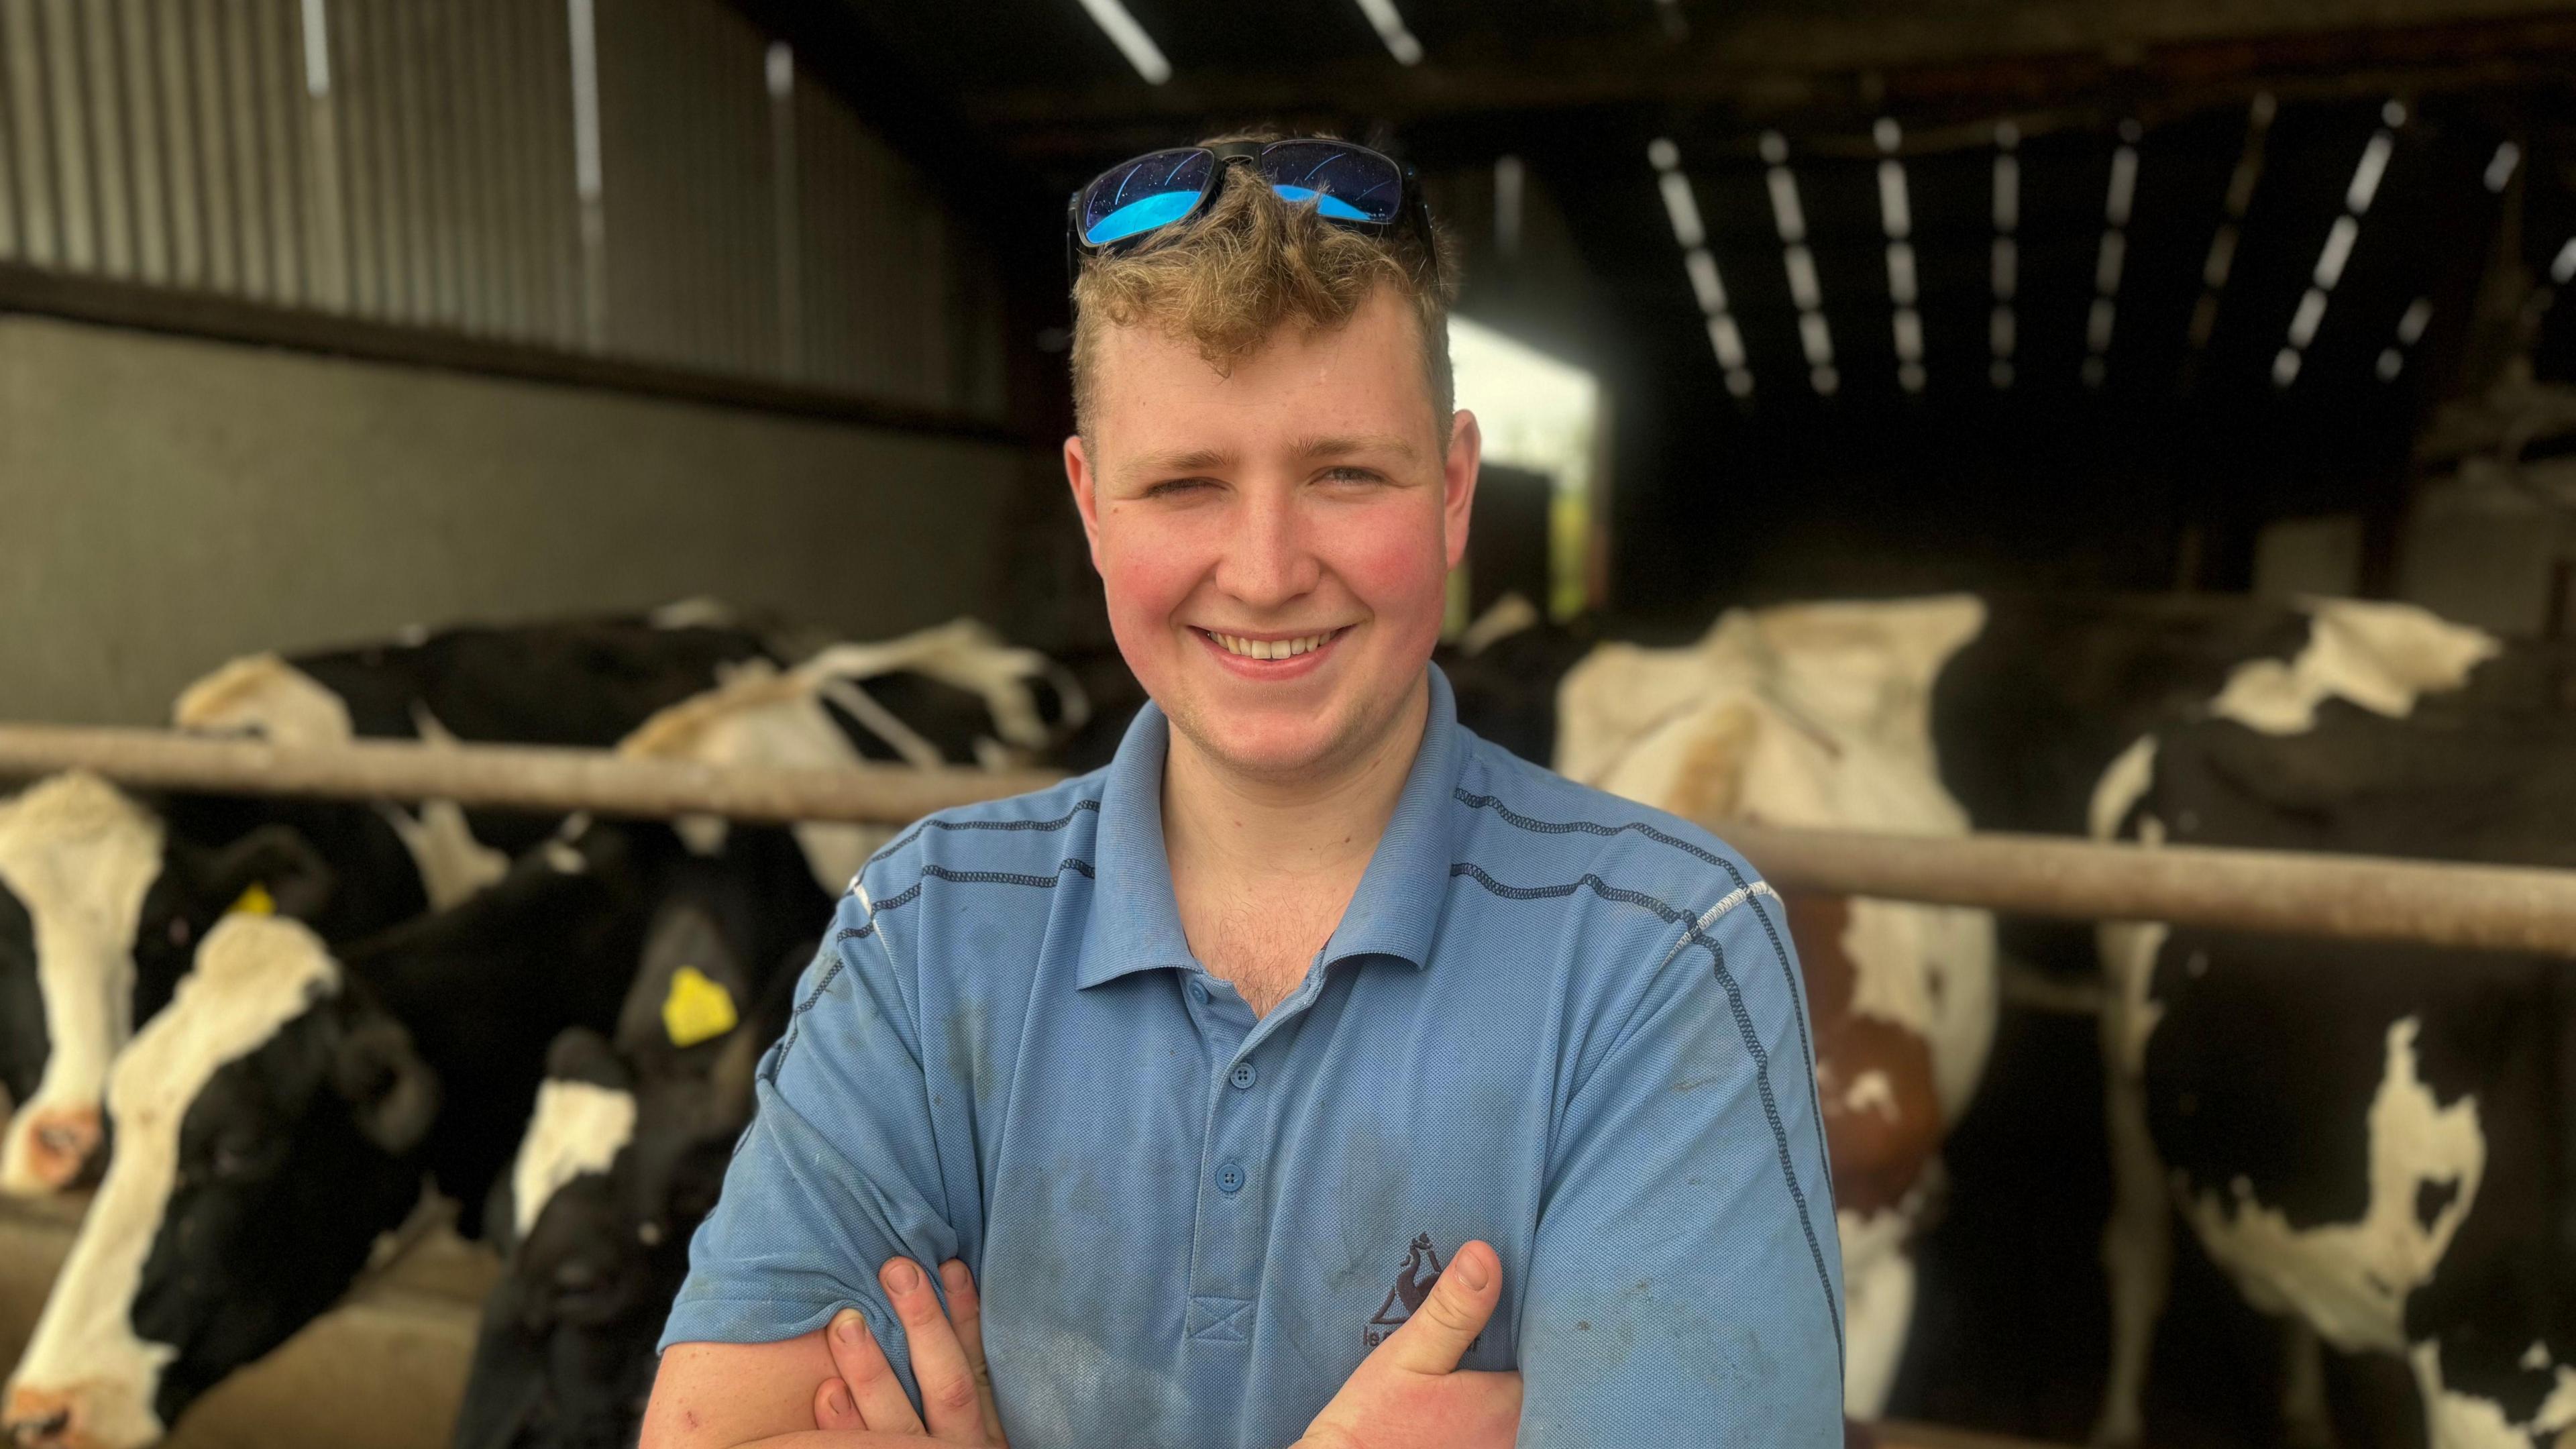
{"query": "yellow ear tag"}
(254, 902)
(698, 1008)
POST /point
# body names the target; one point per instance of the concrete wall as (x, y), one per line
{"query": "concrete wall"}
(166, 504)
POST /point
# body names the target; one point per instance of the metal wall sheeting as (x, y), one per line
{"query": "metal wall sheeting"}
(427, 163)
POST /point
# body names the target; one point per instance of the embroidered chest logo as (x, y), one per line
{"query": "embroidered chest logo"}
(1422, 1268)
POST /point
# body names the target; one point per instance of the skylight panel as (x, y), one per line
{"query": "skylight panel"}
(1390, 29)
(1131, 39)
(1681, 208)
(2367, 173)
(1896, 218)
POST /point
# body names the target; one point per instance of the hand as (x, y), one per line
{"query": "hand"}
(1409, 1394)
(947, 1361)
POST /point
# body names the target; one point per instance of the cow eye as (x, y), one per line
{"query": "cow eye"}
(587, 1291)
(236, 1159)
(180, 932)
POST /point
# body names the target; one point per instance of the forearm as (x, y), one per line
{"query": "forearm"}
(871, 1439)
(800, 1439)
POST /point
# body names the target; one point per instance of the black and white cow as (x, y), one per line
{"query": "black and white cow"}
(1929, 715)
(2373, 1142)
(624, 1155)
(2042, 713)
(715, 919)
(955, 694)
(102, 897)
(289, 1107)
(102, 902)
(2045, 721)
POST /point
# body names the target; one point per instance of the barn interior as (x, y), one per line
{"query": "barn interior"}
(326, 320)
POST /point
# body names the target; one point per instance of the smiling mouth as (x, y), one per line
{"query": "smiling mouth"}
(1243, 648)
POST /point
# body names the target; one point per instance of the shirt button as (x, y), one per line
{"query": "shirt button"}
(1243, 1076)
(1198, 992)
(1229, 1177)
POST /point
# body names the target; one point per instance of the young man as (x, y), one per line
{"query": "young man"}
(1210, 1062)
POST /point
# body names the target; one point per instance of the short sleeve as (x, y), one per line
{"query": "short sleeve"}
(1685, 1285)
(839, 1169)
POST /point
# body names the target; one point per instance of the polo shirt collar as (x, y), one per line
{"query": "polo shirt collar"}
(1136, 922)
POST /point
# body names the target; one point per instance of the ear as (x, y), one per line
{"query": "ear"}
(281, 862)
(688, 989)
(1458, 469)
(392, 1091)
(1086, 492)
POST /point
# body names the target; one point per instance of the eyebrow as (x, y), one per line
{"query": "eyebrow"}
(1199, 460)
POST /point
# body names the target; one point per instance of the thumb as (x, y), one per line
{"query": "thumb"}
(1438, 1334)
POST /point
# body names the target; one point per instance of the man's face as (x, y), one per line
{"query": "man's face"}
(1303, 506)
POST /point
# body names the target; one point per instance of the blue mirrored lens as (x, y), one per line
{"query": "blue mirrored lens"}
(1141, 215)
(1328, 205)
(1140, 195)
(1355, 183)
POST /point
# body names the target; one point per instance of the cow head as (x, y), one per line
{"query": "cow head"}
(100, 911)
(616, 1172)
(266, 1127)
(623, 1157)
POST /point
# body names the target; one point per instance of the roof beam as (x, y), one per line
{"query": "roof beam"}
(1772, 63)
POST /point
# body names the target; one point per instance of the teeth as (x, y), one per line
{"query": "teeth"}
(1269, 648)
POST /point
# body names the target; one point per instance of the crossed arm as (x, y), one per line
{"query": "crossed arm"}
(1681, 1269)
(834, 1389)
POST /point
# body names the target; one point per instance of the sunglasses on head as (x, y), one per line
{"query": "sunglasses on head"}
(1135, 200)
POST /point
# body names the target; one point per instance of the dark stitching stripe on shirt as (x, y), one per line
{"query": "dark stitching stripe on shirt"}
(935, 823)
(1788, 973)
(796, 1020)
(1589, 827)
(1692, 935)
(1007, 877)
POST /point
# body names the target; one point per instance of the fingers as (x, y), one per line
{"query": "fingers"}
(949, 1397)
(833, 1408)
(869, 1391)
(1439, 1332)
(966, 1315)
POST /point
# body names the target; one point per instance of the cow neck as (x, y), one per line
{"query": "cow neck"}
(484, 989)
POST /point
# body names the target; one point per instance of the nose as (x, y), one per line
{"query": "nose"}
(42, 1419)
(59, 1144)
(31, 1433)
(1270, 560)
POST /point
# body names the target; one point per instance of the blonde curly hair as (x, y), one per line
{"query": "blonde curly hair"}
(1250, 264)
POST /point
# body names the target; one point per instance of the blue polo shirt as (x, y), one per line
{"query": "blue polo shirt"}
(1550, 1018)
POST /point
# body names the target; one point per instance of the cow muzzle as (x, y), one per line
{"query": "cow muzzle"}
(56, 1147)
(49, 1419)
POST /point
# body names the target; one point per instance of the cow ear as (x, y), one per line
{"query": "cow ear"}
(393, 1092)
(274, 864)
